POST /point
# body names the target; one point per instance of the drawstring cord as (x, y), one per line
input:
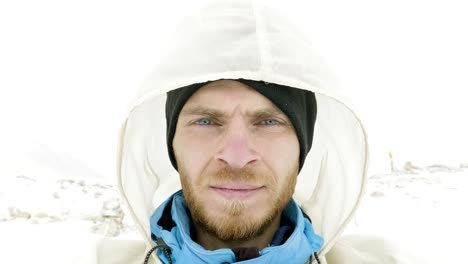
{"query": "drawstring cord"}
(166, 252)
(316, 258)
(149, 254)
(160, 244)
(165, 249)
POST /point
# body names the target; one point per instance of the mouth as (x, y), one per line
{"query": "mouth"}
(237, 191)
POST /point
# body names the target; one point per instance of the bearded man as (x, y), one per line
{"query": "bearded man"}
(238, 146)
(238, 149)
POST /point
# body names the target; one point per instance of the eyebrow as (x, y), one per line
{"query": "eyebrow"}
(203, 111)
(213, 113)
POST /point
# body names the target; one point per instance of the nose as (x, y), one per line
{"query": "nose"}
(236, 150)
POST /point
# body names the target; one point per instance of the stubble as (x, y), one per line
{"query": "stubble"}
(234, 223)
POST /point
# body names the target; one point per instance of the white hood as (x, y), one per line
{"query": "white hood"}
(241, 39)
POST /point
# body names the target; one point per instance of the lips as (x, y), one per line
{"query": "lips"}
(237, 191)
(237, 187)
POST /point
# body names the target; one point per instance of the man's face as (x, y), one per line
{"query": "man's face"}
(238, 157)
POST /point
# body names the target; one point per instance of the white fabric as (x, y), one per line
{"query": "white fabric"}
(243, 39)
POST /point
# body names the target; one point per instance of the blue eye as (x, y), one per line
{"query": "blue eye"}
(270, 122)
(204, 122)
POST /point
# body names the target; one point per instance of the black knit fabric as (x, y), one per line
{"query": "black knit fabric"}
(299, 105)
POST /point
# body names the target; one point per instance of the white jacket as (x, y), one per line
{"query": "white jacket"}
(244, 39)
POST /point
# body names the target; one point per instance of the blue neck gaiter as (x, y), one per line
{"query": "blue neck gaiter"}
(298, 248)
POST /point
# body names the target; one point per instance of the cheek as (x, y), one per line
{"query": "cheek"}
(191, 155)
(282, 156)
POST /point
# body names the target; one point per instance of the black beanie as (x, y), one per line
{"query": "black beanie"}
(299, 105)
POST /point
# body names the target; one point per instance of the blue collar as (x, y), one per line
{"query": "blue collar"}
(298, 248)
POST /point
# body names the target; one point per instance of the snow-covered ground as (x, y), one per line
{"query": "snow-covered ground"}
(420, 209)
(55, 219)
(58, 219)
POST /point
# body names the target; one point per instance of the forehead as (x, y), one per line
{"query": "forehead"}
(227, 94)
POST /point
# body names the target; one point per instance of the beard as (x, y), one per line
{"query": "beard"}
(234, 222)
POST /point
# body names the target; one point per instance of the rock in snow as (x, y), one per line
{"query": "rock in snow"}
(46, 200)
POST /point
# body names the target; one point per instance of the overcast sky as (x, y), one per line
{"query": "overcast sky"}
(68, 70)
